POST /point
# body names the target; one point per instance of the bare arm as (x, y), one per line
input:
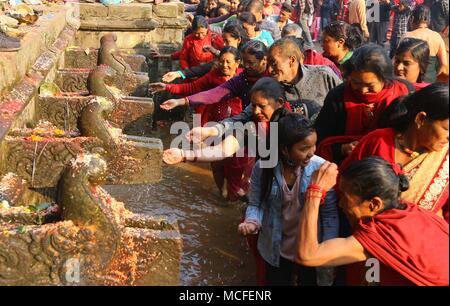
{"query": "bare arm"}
(333, 252)
(224, 149)
(443, 60)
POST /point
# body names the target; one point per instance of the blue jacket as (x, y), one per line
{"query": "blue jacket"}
(268, 213)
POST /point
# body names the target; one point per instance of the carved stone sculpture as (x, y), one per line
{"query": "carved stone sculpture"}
(40, 155)
(96, 241)
(109, 54)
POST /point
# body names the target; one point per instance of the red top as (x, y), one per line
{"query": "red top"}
(192, 53)
(412, 242)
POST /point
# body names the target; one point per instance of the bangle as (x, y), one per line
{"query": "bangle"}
(317, 188)
(181, 74)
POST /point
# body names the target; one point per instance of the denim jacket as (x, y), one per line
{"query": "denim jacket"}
(268, 213)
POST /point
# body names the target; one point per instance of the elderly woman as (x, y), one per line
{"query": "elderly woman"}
(410, 243)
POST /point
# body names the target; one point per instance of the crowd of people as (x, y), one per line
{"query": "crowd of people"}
(359, 108)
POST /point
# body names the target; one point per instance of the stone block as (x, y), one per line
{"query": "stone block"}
(131, 11)
(167, 10)
(93, 10)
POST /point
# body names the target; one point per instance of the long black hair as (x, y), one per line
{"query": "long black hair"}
(292, 128)
(371, 58)
(420, 14)
(232, 50)
(249, 18)
(374, 177)
(234, 28)
(351, 34)
(199, 22)
(433, 100)
(255, 48)
(419, 50)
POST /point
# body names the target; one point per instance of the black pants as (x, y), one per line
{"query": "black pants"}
(378, 31)
(290, 274)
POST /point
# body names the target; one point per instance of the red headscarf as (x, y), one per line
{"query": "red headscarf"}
(359, 107)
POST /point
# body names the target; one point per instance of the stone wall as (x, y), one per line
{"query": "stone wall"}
(22, 72)
(139, 26)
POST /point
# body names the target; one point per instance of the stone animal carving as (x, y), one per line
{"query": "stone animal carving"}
(98, 79)
(109, 54)
(98, 241)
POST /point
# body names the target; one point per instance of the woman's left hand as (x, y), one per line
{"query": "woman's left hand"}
(173, 156)
(325, 176)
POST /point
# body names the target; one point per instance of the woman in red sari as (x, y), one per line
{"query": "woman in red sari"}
(354, 108)
(193, 52)
(410, 244)
(417, 140)
(411, 61)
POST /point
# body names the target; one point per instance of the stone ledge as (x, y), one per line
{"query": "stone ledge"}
(93, 10)
(131, 11)
(116, 24)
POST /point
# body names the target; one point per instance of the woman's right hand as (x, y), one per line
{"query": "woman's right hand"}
(247, 228)
(347, 148)
(156, 87)
(173, 156)
(170, 76)
(199, 134)
(156, 55)
(172, 103)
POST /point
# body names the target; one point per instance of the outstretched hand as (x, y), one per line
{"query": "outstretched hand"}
(172, 103)
(170, 76)
(173, 156)
(247, 228)
(156, 87)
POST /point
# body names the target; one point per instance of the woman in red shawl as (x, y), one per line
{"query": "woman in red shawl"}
(410, 244)
(193, 52)
(226, 68)
(354, 108)
(417, 140)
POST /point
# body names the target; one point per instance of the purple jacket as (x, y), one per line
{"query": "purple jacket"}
(238, 86)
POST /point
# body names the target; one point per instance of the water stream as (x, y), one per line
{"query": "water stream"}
(213, 252)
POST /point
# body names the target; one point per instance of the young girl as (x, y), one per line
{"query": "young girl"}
(250, 26)
(276, 199)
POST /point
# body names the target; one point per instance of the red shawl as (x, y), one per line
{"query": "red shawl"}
(413, 242)
(192, 53)
(381, 143)
(359, 122)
